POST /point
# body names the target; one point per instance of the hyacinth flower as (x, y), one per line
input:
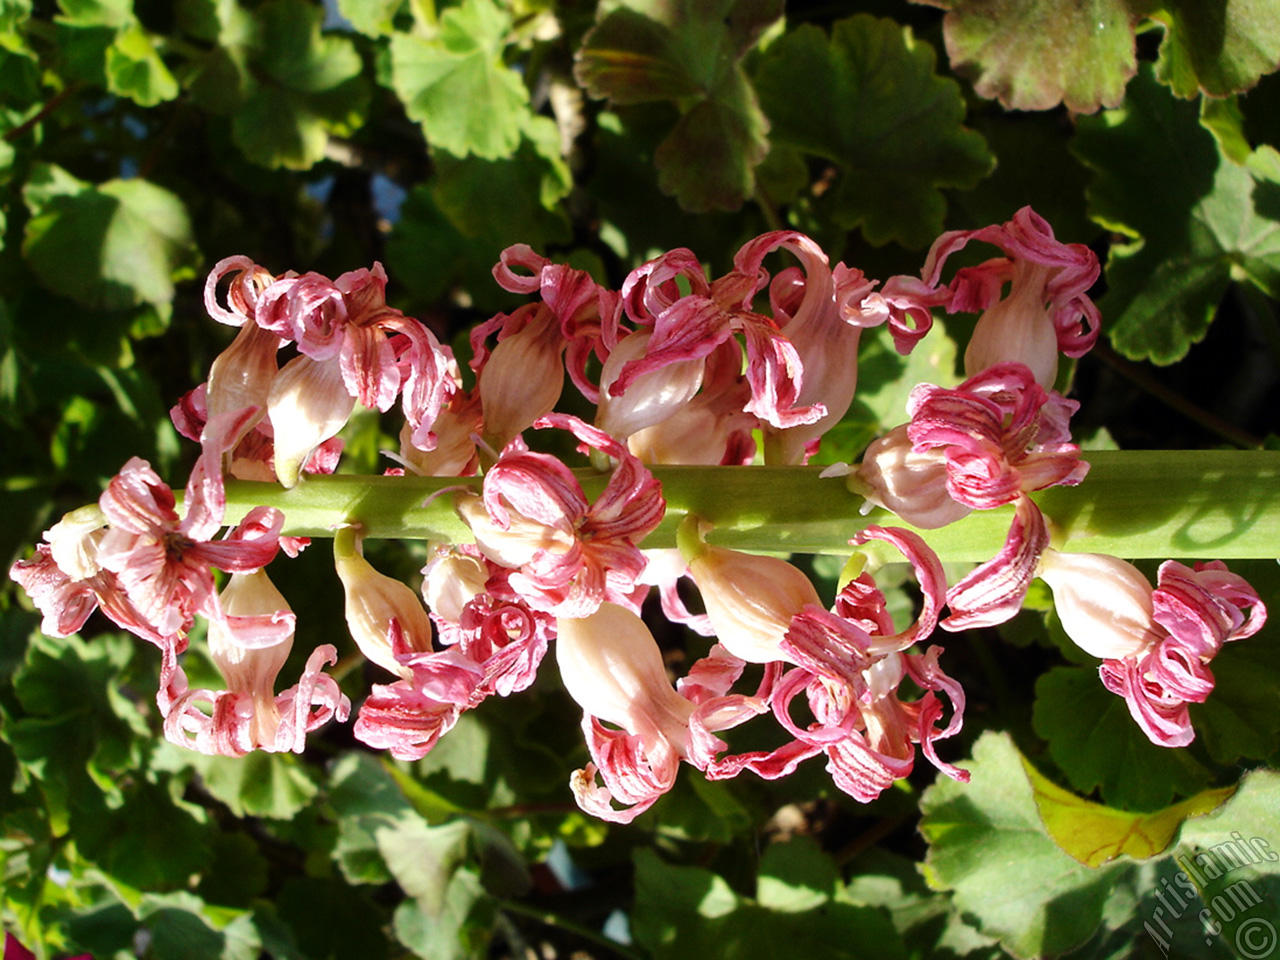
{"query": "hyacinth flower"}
(985, 444)
(1046, 309)
(611, 666)
(566, 555)
(1155, 644)
(352, 347)
(690, 326)
(146, 567)
(248, 715)
(492, 644)
(849, 662)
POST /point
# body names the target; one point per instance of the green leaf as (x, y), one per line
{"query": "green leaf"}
(1217, 47)
(373, 18)
(332, 920)
(690, 912)
(1110, 752)
(1035, 54)
(111, 246)
(75, 733)
(689, 53)
(135, 70)
(261, 784)
(1239, 720)
(96, 13)
(1196, 220)
(456, 85)
(988, 844)
(310, 88)
(874, 106)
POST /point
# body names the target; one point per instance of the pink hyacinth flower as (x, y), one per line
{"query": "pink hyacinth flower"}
(352, 347)
(248, 715)
(1157, 644)
(690, 326)
(1047, 308)
(849, 662)
(987, 443)
(612, 667)
(567, 555)
(162, 562)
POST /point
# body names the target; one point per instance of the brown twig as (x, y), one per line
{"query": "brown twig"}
(51, 105)
(1143, 379)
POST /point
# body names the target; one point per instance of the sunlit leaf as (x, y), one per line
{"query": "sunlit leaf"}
(456, 85)
(110, 246)
(135, 70)
(869, 100)
(1095, 834)
(1035, 54)
(309, 88)
(988, 844)
(1215, 46)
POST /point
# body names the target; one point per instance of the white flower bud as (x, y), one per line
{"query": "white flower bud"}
(1104, 603)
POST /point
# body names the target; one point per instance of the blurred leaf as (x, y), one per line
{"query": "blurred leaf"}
(1239, 720)
(988, 844)
(96, 13)
(796, 876)
(112, 246)
(689, 53)
(135, 70)
(1196, 220)
(74, 733)
(261, 784)
(1217, 47)
(456, 85)
(333, 921)
(1110, 752)
(873, 105)
(149, 843)
(309, 88)
(373, 18)
(689, 911)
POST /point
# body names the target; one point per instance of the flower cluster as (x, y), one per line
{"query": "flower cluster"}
(681, 369)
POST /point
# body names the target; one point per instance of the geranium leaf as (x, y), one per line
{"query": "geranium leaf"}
(988, 844)
(1216, 47)
(1035, 54)
(111, 246)
(1197, 220)
(897, 123)
(308, 88)
(1110, 752)
(456, 85)
(688, 53)
(134, 69)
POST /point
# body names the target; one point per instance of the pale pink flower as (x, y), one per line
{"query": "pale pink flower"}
(162, 562)
(690, 326)
(1047, 308)
(567, 555)
(611, 666)
(849, 663)
(384, 616)
(1156, 644)
(986, 444)
(248, 715)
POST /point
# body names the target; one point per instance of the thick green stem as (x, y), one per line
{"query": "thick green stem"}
(1155, 504)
